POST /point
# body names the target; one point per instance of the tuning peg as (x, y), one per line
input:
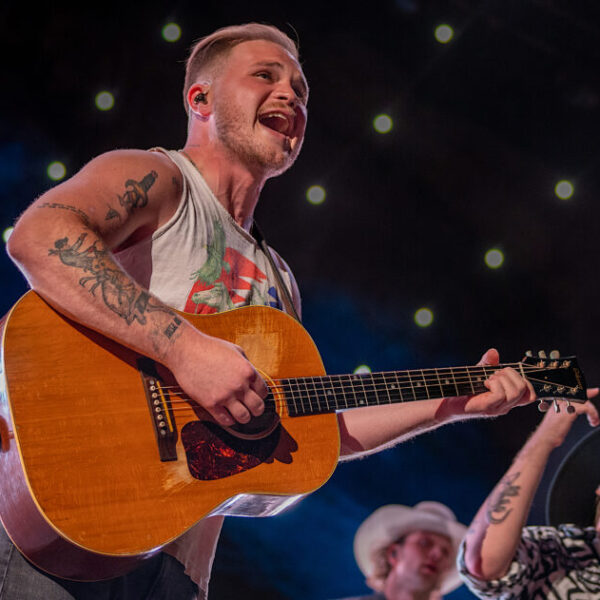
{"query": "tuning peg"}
(556, 406)
(555, 354)
(570, 408)
(542, 354)
(543, 405)
(529, 354)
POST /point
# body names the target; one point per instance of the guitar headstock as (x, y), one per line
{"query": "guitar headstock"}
(555, 377)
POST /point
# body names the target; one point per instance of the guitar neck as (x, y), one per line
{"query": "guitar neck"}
(328, 393)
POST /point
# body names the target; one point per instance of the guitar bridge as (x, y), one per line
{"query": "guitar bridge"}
(161, 411)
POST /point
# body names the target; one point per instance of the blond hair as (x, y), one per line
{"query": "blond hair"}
(205, 52)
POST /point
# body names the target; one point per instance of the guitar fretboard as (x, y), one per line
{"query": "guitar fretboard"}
(328, 393)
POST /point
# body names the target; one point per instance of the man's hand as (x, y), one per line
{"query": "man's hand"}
(556, 425)
(218, 377)
(507, 389)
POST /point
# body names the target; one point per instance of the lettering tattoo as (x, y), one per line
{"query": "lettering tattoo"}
(498, 507)
(119, 293)
(73, 209)
(172, 327)
(135, 196)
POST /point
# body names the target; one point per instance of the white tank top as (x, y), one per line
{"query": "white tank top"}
(201, 261)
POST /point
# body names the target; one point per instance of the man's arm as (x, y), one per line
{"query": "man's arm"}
(63, 243)
(495, 532)
(367, 430)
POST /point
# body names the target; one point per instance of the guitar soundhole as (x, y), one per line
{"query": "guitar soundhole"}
(257, 427)
(213, 453)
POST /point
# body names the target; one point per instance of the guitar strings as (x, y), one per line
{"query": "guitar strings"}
(379, 381)
(427, 377)
(183, 400)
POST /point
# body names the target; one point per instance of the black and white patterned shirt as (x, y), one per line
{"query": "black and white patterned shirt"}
(556, 563)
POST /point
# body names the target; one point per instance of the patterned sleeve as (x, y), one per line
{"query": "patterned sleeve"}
(542, 552)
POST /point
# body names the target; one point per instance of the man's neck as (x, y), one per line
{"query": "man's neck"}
(407, 595)
(395, 591)
(234, 185)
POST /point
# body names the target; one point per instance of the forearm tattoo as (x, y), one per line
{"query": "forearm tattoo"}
(84, 218)
(119, 293)
(135, 196)
(498, 506)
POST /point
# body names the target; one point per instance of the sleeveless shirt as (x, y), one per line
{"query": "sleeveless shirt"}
(201, 261)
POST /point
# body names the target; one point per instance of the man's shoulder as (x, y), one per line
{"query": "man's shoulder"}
(124, 158)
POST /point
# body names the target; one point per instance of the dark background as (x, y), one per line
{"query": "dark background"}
(484, 128)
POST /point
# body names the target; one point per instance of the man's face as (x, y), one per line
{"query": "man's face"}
(259, 106)
(420, 563)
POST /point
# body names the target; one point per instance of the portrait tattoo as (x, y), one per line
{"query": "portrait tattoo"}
(73, 209)
(497, 510)
(119, 294)
(135, 196)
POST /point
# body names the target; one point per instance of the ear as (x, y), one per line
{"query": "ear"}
(199, 100)
(392, 554)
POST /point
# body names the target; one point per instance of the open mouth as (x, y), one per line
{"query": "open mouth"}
(278, 122)
(430, 569)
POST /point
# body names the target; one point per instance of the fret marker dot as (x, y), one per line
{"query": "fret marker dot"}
(361, 370)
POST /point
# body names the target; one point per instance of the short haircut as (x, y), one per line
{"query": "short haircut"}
(216, 45)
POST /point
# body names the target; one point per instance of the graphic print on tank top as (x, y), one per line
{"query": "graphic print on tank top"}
(227, 279)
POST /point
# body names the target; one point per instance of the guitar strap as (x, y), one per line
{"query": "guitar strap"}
(282, 288)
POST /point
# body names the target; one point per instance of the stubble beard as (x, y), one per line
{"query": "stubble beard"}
(241, 141)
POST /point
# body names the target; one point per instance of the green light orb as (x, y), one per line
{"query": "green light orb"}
(171, 32)
(316, 194)
(56, 170)
(494, 258)
(443, 33)
(104, 101)
(424, 317)
(383, 123)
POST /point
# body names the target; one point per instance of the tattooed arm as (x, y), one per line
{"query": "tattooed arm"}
(494, 534)
(63, 245)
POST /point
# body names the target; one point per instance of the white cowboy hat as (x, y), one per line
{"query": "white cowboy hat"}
(389, 523)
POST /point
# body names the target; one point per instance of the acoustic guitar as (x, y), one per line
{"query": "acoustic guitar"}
(103, 460)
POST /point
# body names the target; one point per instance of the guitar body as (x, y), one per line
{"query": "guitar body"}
(84, 493)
